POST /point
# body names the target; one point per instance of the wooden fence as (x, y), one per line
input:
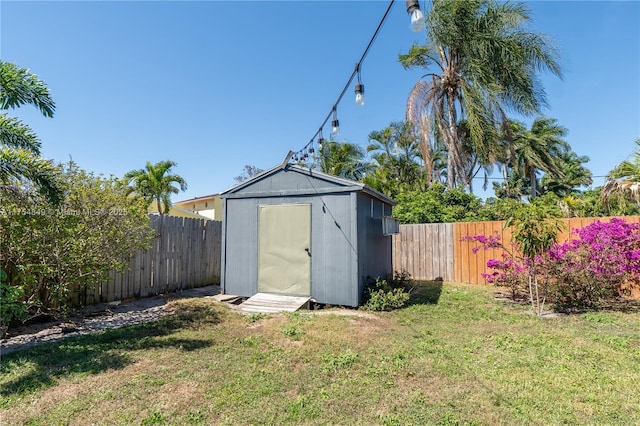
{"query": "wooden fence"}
(185, 254)
(426, 251)
(432, 251)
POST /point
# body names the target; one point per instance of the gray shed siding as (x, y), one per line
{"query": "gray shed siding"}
(333, 246)
(374, 256)
(347, 244)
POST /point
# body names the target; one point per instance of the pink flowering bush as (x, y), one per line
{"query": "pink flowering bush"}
(597, 266)
(510, 271)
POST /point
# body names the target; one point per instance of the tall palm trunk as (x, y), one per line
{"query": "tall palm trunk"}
(505, 176)
(453, 161)
(533, 182)
(425, 149)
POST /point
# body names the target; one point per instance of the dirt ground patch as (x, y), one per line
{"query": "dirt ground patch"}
(119, 314)
(98, 317)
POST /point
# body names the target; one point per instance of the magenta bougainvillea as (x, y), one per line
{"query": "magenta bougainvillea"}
(597, 266)
(509, 271)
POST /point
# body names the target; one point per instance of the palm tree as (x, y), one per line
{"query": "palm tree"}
(156, 183)
(574, 175)
(343, 159)
(624, 179)
(477, 158)
(20, 160)
(482, 61)
(539, 149)
(397, 152)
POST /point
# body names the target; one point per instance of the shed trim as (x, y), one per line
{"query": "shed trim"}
(346, 184)
(286, 193)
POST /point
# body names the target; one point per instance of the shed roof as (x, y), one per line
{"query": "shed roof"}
(338, 184)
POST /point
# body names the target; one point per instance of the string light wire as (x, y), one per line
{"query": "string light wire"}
(350, 80)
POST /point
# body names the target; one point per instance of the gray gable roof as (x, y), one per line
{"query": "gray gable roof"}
(291, 179)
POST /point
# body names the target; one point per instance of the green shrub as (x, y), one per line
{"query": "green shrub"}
(387, 295)
(382, 300)
(11, 306)
(57, 252)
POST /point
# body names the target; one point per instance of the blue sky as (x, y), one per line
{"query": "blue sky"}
(215, 85)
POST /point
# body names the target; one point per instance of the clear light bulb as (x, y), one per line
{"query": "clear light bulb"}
(335, 127)
(360, 94)
(417, 20)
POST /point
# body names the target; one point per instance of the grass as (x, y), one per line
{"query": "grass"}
(454, 356)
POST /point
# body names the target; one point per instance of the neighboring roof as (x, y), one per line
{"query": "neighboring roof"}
(345, 184)
(177, 211)
(196, 199)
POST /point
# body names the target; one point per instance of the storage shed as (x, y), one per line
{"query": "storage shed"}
(299, 232)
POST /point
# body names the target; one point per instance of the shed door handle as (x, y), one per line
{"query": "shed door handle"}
(308, 251)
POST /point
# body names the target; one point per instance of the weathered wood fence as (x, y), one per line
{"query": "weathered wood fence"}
(433, 251)
(185, 254)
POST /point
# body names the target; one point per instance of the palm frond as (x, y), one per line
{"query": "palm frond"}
(14, 133)
(20, 166)
(19, 87)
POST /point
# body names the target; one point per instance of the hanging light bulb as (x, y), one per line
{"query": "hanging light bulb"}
(335, 124)
(320, 139)
(417, 17)
(359, 88)
(360, 94)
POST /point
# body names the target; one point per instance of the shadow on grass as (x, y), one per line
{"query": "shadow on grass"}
(425, 293)
(98, 352)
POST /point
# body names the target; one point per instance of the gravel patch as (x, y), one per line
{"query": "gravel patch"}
(97, 317)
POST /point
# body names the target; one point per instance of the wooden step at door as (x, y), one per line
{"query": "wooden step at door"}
(271, 303)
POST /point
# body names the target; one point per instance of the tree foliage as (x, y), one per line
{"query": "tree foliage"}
(481, 61)
(623, 182)
(156, 183)
(397, 160)
(52, 252)
(20, 161)
(248, 173)
(437, 204)
(342, 159)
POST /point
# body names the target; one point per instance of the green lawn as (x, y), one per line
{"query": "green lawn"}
(454, 356)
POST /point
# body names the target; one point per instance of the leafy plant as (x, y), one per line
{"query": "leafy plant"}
(535, 230)
(294, 328)
(387, 295)
(11, 305)
(333, 362)
(255, 316)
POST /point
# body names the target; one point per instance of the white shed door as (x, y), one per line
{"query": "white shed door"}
(284, 249)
